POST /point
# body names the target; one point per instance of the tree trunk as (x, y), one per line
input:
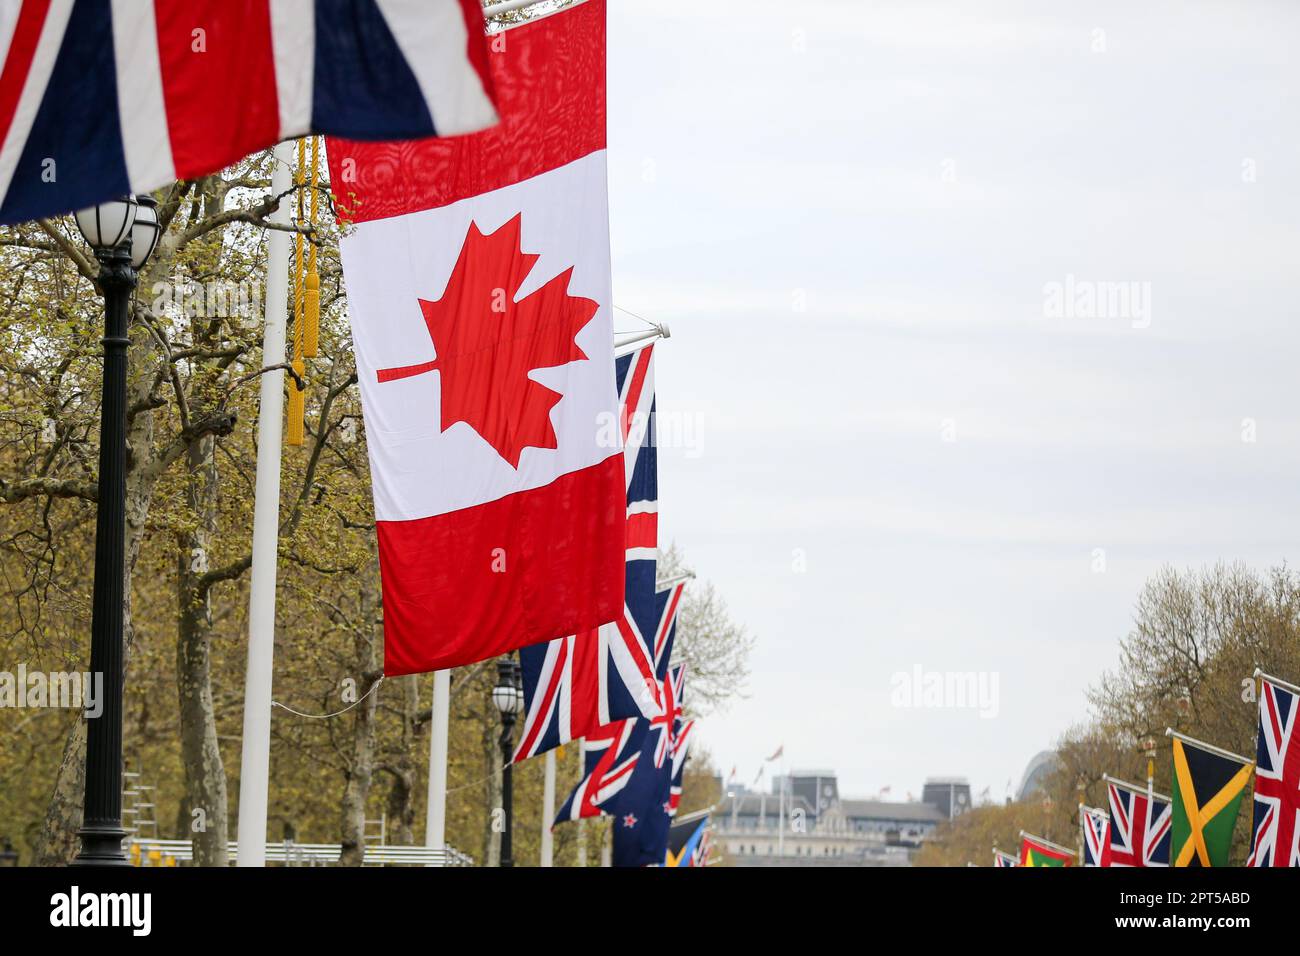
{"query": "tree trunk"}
(360, 774)
(401, 796)
(495, 814)
(205, 775)
(361, 766)
(58, 844)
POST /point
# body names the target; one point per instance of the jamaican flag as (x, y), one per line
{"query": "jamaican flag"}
(1208, 787)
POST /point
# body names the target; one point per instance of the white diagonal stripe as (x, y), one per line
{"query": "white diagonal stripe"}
(432, 37)
(293, 43)
(141, 109)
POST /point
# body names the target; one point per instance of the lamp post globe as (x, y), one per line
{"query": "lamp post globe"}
(508, 696)
(106, 225)
(123, 234)
(145, 231)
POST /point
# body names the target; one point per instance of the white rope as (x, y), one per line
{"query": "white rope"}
(480, 780)
(299, 713)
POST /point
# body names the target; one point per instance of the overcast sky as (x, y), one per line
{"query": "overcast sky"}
(849, 213)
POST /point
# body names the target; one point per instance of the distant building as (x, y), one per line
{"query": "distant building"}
(804, 822)
(1036, 774)
(949, 795)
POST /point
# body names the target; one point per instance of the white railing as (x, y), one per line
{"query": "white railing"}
(308, 854)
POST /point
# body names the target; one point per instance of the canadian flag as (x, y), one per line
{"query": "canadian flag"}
(478, 281)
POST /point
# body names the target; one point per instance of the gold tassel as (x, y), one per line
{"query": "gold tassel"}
(295, 431)
(311, 321)
(295, 417)
(311, 299)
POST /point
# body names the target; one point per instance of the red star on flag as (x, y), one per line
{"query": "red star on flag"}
(629, 821)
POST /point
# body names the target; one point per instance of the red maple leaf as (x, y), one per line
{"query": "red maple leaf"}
(486, 343)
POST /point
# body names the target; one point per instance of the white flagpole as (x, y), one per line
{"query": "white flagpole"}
(780, 834)
(548, 811)
(255, 763)
(435, 820)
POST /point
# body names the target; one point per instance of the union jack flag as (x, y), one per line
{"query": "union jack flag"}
(1139, 826)
(1276, 829)
(667, 725)
(610, 754)
(575, 684)
(608, 758)
(1001, 859)
(112, 97)
(1096, 836)
(681, 748)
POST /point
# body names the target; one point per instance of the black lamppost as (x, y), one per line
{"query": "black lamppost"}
(123, 233)
(508, 696)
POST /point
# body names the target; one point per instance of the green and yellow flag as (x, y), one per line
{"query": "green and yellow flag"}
(1208, 787)
(1035, 851)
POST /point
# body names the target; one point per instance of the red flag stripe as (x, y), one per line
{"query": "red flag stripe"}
(548, 701)
(18, 62)
(632, 402)
(643, 530)
(213, 53)
(667, 625)
(527, 560)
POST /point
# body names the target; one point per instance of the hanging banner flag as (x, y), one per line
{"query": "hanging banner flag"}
(629, 766)
(99, 98)
(478, 279)
(681, 734)
(1208, 787)
(1275, 839)
(575, 684)
(1095, 825)
(1035, 851)
(1139, 825)
(644, 809)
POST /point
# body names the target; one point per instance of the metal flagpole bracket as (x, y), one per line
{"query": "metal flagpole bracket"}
(630, 341)
(1049, 844)
(1277, 681)
(675, 579)
(1170, 732)
(1132, 787)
